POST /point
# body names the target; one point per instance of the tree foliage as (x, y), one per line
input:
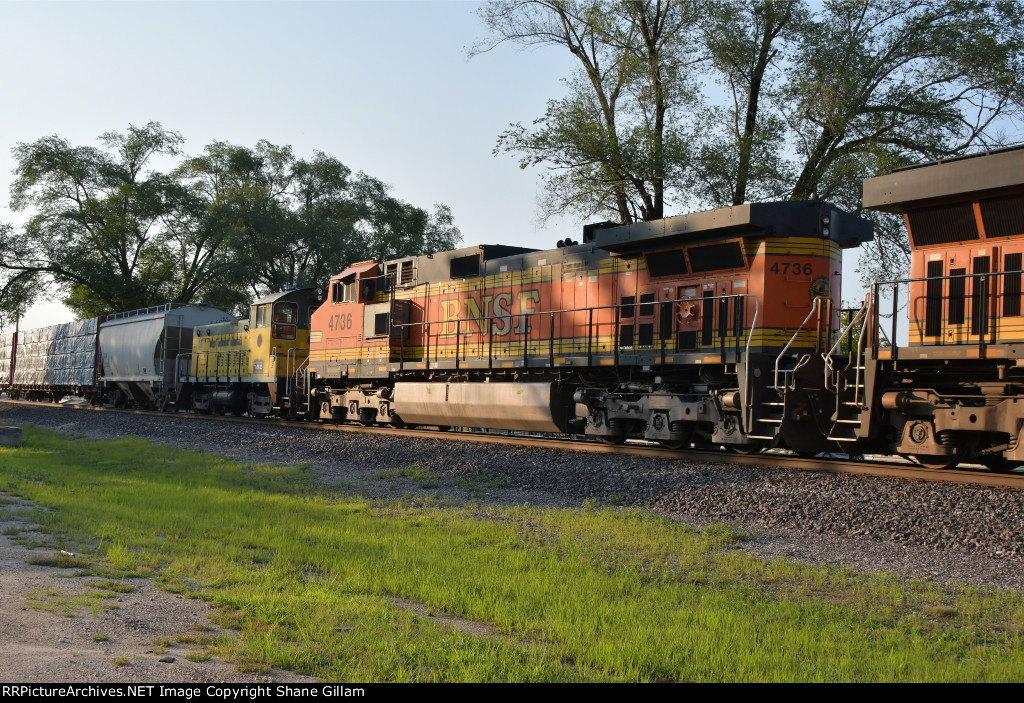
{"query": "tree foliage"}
(95, 230)
(610, 140)
(812, 98)
(291, 221)
(110, 232)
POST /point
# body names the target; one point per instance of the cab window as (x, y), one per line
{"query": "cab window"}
(263, 316)
(344, 291)
(285, 315)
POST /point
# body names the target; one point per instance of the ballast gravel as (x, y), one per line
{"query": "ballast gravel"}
(938, 531)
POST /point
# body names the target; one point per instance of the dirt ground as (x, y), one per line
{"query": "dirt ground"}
(46, 637)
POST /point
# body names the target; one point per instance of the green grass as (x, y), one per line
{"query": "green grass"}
(115, 586)
(307, 581)
(424, 478)
(57, 602)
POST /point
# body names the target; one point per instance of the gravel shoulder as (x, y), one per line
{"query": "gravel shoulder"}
(46, 637)
(940, 532)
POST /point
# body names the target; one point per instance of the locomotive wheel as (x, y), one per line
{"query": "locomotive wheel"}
(444, 428)
(937, 461)
(745, 449)
(674, 443)
(612, 439)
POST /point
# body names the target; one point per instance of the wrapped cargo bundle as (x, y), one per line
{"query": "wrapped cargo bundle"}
(6, 349)
(57, 356)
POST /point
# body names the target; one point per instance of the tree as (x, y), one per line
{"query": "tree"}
(741, 157)
(111, 234)
(613, 142)
(290, 221)
(876, 83)
(96, 232)
(817, 98)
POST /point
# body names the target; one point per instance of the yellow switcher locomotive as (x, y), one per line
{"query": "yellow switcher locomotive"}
(249, 365)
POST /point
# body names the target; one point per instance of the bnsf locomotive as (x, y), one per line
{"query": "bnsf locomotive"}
(719, 328)
(681, 330)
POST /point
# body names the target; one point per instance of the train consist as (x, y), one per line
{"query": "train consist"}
(126, 359)
(719, 328)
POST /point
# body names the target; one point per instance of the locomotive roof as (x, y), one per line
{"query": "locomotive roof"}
(271, 297)
(985, 171)
(489, 251)
(781, 219)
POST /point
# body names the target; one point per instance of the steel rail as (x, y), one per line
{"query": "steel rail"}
(883, 468)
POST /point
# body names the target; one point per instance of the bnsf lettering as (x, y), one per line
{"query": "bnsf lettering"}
(499, 307)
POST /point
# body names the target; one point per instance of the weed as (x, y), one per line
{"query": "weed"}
(939, 611)
(60, 561)
(115, 586)
(100, 638)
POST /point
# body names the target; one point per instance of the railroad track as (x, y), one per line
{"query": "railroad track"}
(879, 467)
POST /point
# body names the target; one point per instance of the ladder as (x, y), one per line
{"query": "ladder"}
(849, 384)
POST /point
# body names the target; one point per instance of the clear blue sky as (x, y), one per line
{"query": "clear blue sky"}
(385, 87)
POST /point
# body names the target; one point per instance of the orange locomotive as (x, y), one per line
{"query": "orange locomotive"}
(684, 330)
(943, 382)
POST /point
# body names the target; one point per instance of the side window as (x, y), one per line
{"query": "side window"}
(286, 312)
(285, 315)
(368, 288)
(628, 301)
(344, 291)
(263, 316)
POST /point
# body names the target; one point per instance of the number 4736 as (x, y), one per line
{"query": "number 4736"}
(339, 322)
(795, 268)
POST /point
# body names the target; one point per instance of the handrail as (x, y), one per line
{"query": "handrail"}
(177, 365)
(484, 323)
(746, 356)
(975, 300)
(299, 369)
(814, 308)
(829, 355)
(289, 358)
